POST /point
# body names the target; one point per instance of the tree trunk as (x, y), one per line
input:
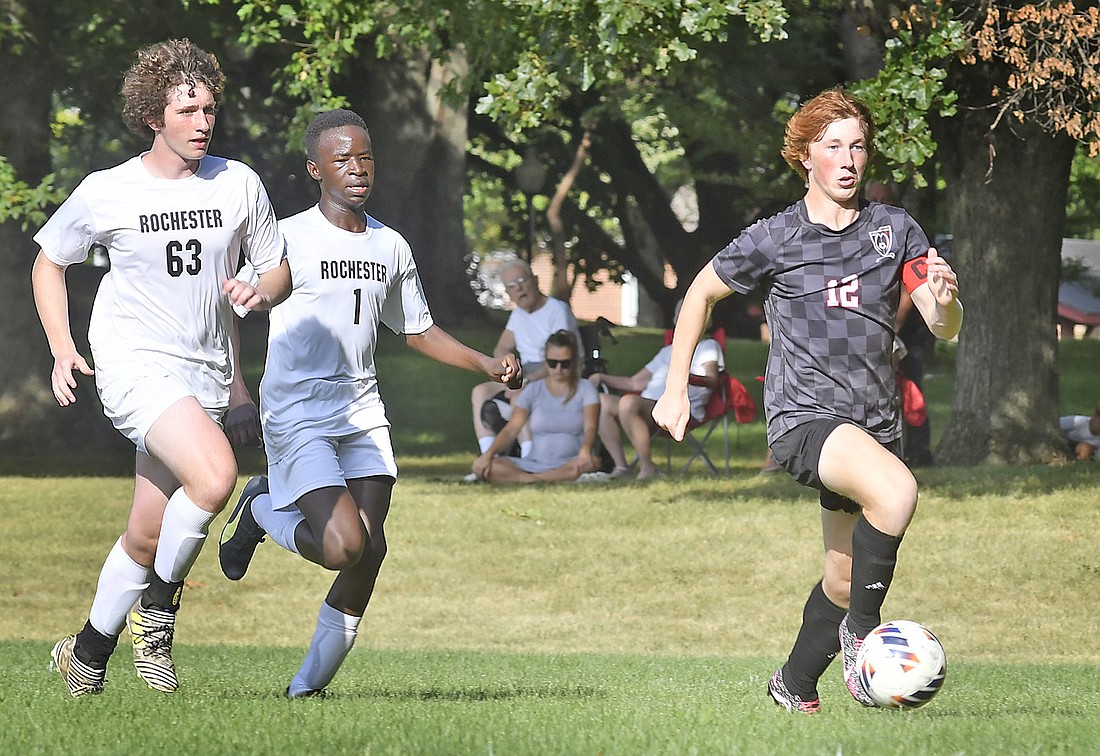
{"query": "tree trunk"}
(30, 420)
(419, 141)
(1007, 210)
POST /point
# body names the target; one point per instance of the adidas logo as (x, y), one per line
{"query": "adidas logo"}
(876, 586)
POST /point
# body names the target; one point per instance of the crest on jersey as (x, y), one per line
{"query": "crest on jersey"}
(882, 239)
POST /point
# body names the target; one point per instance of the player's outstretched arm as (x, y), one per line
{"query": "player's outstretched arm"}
(51, 299)
(445, 348)
(938, 298)
(673, 411)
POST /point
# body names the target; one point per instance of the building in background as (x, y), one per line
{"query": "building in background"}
(1079, 296)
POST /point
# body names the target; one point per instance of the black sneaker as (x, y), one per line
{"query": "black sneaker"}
(242, 534)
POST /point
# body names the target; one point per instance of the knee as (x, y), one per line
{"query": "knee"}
(212, 489)
(482, 392)
(630, 405)
(140, 545)
(343, 550)
(892, 506)
(375, 552)
(837, 586)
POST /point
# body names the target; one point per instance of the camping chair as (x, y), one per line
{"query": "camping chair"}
(731, 396)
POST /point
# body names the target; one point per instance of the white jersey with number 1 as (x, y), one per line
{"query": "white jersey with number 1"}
(320, 374)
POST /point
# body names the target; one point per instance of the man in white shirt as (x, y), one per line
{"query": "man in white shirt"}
(534, 318)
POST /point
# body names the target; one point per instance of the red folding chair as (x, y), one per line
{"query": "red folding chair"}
(731, 396)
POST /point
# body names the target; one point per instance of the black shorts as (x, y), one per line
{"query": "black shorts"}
(798, 451)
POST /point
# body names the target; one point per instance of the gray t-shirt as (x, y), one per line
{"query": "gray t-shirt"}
(557, 425)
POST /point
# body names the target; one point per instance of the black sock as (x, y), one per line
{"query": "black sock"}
(93, 647)
(874, 556)
(816, 645)
(162, 595)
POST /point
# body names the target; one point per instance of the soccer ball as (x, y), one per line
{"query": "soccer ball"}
(901, 665)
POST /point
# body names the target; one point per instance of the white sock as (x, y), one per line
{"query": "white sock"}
(182, 534)
(525, 448)
(485, 442)
(334, 637)
(121, 582)
(280, 524)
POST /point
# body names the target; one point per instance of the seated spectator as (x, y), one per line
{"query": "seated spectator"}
(633, 410)
(1082, 432)
(562, 412)
(534, 318)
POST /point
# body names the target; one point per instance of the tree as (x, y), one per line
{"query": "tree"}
(1023, 80)
(28, 416)
(543, 73)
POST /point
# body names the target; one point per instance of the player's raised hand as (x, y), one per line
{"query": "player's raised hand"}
(942, 281)
(243, 294)
(62, 379)
(672, 413)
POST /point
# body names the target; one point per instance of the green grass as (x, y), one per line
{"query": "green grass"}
(440, 702)
(620, 618)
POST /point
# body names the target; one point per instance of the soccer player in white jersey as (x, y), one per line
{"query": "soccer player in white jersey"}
(174, 221)
(331, 467)
(831, 268)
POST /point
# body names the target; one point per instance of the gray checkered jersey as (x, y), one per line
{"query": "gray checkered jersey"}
(830, 299)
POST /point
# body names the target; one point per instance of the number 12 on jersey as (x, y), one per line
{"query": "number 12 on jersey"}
(842, 293)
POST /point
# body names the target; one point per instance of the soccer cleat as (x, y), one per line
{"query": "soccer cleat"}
(242, 534)
(82, 678)
(151, 631)
(849, 649)
(779, 693)
(322, 693)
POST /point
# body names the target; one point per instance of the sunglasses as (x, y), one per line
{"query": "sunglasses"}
(516, 284)
(559, 363)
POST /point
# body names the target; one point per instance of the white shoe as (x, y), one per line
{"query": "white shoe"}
(594, 477)
(471, 478)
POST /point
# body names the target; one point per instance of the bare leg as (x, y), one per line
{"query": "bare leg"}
(855, 465)
(609, 429)
(480, 394)
(636, 415)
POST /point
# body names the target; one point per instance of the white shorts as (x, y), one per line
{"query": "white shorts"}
(135, 394)
(324, 461)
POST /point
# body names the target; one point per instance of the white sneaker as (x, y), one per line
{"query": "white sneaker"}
(471, 478)
(594, 477)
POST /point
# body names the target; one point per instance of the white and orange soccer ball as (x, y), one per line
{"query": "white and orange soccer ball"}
(901, 664)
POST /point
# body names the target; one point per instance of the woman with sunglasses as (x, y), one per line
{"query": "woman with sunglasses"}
(563, 412)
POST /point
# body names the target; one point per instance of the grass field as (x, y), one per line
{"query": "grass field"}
(578, 619)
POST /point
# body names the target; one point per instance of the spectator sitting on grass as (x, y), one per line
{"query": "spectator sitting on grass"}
(1082, 432)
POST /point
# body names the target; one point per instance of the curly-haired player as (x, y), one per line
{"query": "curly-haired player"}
(174, 221)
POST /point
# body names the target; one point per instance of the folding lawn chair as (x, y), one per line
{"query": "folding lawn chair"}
(731, 397)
